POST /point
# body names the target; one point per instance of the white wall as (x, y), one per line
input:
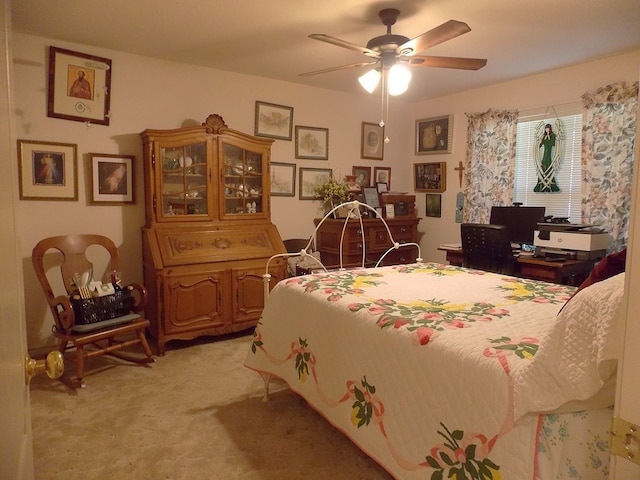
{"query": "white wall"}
(149, 93)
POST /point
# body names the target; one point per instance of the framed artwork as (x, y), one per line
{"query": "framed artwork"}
(363, 176)
(371, 197)
(273, 121)
(430, 177)
(309, 178)
(283, 179)
(79, 86)
(382, 175)
(434, 205)
(112, 178)
(47, 170)
(382, 187)
(433, 135)
(312, 143)
(372, 141)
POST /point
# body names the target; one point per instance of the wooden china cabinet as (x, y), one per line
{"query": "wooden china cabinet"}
(208, 233)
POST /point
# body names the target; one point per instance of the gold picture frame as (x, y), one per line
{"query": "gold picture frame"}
(430, 177)
(47, 170)
(434, 135)
(79, 86)
(112, 178)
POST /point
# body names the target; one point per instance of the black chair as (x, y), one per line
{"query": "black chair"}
(487, 247)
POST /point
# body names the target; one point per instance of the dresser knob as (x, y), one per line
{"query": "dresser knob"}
(403, 229)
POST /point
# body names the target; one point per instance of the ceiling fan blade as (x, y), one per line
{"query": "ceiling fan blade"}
(445, 62)
(344, 44)
(442, 33)
(334, 69)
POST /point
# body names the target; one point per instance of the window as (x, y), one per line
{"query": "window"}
(566, 202)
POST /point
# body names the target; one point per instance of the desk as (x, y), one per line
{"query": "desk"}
(568, 272)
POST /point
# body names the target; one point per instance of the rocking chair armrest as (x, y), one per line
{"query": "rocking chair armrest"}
(141, 297)
(65, 317)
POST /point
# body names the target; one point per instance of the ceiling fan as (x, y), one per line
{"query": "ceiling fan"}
(390, 49)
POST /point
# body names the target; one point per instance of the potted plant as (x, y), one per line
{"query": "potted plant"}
(332, 193)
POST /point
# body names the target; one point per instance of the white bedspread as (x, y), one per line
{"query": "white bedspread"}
(435, 370)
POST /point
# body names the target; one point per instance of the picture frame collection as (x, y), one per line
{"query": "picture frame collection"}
(79, 89)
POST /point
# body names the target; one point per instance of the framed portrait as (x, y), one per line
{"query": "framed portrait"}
(372, 141)
(273, 121)
(112, 178)
(382, 175)
(363, 176)
(434, 205)
(79, 86)
(430, 177)
(434, 135)
(309, 178)
(312, 143)
(47, 170)
(283, 179)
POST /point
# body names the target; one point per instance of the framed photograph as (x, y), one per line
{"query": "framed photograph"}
(372, 141)
(112, 178)
(363, 176)
(273, 121)
(382, 175)
(312, 143)
(382, 187)
(47, 170)
(283, 179)
(434, 205)
(433, 135)
(79, 86)
(309, 178)
(430, 177)
(371, 197)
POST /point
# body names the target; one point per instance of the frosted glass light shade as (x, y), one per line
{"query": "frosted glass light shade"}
(399, 79)
(370, 80)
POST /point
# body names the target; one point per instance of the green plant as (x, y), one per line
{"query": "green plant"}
(332, 192)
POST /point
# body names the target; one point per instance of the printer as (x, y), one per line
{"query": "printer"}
(567, 240)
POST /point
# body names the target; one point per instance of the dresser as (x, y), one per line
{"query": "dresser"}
(373, 237)
(208, 232)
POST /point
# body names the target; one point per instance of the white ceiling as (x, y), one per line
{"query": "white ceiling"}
(269, 38)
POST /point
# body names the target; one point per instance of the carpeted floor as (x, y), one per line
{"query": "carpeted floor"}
(197, 413)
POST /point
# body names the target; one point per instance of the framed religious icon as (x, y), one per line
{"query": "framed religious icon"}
(372, 141)
(434, 205)
(112, 178)
(79, 86)
(47, 170)
(430, 177)
(433, 135)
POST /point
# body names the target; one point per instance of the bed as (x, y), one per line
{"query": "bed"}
(437, 371)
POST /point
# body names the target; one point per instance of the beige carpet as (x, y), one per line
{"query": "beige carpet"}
(197, 413)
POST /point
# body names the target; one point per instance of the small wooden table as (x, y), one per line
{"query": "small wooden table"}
(567, 272)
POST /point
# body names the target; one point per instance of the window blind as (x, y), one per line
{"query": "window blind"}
(566, 202)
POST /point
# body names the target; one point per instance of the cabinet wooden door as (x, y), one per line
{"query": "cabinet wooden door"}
(249, 287)
(194, 302)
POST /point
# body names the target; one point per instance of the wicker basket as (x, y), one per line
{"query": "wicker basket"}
(97, 309)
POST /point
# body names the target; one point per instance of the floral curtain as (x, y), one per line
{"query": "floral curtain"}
(489, 163)
(607, 159)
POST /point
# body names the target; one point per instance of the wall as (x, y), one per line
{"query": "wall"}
(535, 92)
(150, 93)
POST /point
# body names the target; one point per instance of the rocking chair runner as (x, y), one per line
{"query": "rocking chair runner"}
(108, 337)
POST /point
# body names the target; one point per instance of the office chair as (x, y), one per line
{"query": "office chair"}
(106, 337)
(487, 247)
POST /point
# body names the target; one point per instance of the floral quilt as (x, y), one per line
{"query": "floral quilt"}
(420, 365)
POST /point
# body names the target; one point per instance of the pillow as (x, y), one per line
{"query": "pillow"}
(609, 266)
(303, 262)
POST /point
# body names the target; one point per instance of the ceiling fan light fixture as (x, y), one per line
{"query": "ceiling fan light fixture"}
(399, 79)
(370, 80)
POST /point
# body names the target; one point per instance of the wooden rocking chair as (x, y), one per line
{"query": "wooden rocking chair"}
(106, 337)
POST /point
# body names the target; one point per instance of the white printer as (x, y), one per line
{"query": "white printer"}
(576, 241)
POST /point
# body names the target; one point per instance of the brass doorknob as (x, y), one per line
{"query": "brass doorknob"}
(53, 365)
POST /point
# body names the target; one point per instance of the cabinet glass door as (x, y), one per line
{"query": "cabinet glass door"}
(243, 181)
(184, 181)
